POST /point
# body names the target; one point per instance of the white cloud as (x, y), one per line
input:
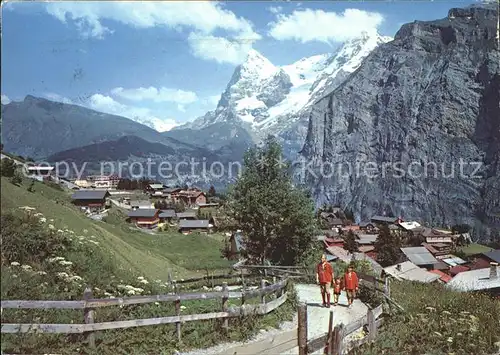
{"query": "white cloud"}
(151, 93)
(317, 25)
(275, 9)
(222, 50)
(5, 99)
(143, 115)
(203, 17)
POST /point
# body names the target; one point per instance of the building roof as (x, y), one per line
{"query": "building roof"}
(198, 223)
(442, 276)
(494, 255)
(438, 239)
(409, 225)
(172, 189)
(167, 214)
(366, 248)
(366, 238)
(140, 203)
(143, 212)
(455, 270)
(453, 260)
(475, 280)
(366, 224)
(335, 221)
(384, 219)
(410, 271)
(189, 214)
(90, 195)
(419, 255)
(156, 186)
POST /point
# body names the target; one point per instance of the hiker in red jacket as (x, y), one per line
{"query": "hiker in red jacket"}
(324, 277)
(351, 285)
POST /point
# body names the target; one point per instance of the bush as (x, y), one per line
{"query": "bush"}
(7, 167)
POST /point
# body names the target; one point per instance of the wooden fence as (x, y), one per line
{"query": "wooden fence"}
(90, 305)
(333, 342)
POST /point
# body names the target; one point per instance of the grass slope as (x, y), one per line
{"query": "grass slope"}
(438, 321)
(153, 256)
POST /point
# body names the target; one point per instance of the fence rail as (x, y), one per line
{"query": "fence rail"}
(89, 306)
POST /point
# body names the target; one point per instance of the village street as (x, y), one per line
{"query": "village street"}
(284, 340)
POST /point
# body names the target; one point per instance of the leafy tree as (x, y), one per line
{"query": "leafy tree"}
(350, 242)
(16, 179)
(8, 167)
(276, 218)
(211, 191)
(387, 247)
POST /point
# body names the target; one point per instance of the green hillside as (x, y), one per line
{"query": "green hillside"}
(152, 256)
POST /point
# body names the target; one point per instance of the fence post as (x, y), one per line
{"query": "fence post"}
(88, 315)
(372, 325)
(263, 295)
(302, 329)
(225, 297)
(329, 338)
(178, 313)
(337, 339)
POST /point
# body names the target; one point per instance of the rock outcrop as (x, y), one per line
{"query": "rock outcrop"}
(419, 124)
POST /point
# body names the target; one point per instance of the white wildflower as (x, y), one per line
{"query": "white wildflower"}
(43, 219)
(38, 214)
(75, 278)
(14, 276)
(62, 275)
(26, 267)
(65, 263)
(41, 273)
(56, 259)
(14, 263)
(107, 294)
(97, 289)
(183, 307)
(92, 236)
(60, 231)
(51, 220)
(145, 282)
(93, 242)
(85, 232)
(27, 208)
(157, 303)
(51, 226)
(131, 292)
(140, 278)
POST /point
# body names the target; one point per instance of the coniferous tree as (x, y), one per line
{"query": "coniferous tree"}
(388, 247)
(350, 242)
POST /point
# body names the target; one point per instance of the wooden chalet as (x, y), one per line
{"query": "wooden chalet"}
(200, 225)
(91, 200)
(145, 218)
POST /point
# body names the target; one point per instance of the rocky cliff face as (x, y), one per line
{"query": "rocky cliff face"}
(415, 111)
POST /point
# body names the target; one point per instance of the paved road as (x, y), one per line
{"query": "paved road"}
(285, 342)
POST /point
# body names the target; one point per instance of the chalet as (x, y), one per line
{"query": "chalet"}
(141, 204)
(145, 217)
(188, 226)
(167, 215)
(235, 245)
(439, 239)
(192, 197)
(366, 239)
(183, 216)
(408, 226)
(39, 172)
(208, 205)
(82, 183)
(411, 272)
(104, 181)
(155, 189)
(483, 260)
(368, 227)
(420, 256)
(486, 280)
(383, 220)
(91, 200)
(171, 192)
(438, 248)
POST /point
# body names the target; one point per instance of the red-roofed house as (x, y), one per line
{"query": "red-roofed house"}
(458, 269)
(442, 276)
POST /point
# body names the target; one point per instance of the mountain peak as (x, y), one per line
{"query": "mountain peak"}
(256, 62)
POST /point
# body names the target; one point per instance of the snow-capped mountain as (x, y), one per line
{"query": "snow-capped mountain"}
(268, 99)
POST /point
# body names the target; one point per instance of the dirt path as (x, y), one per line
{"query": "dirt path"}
(284, 341)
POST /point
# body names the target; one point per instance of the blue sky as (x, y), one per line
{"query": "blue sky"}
(168, 62)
